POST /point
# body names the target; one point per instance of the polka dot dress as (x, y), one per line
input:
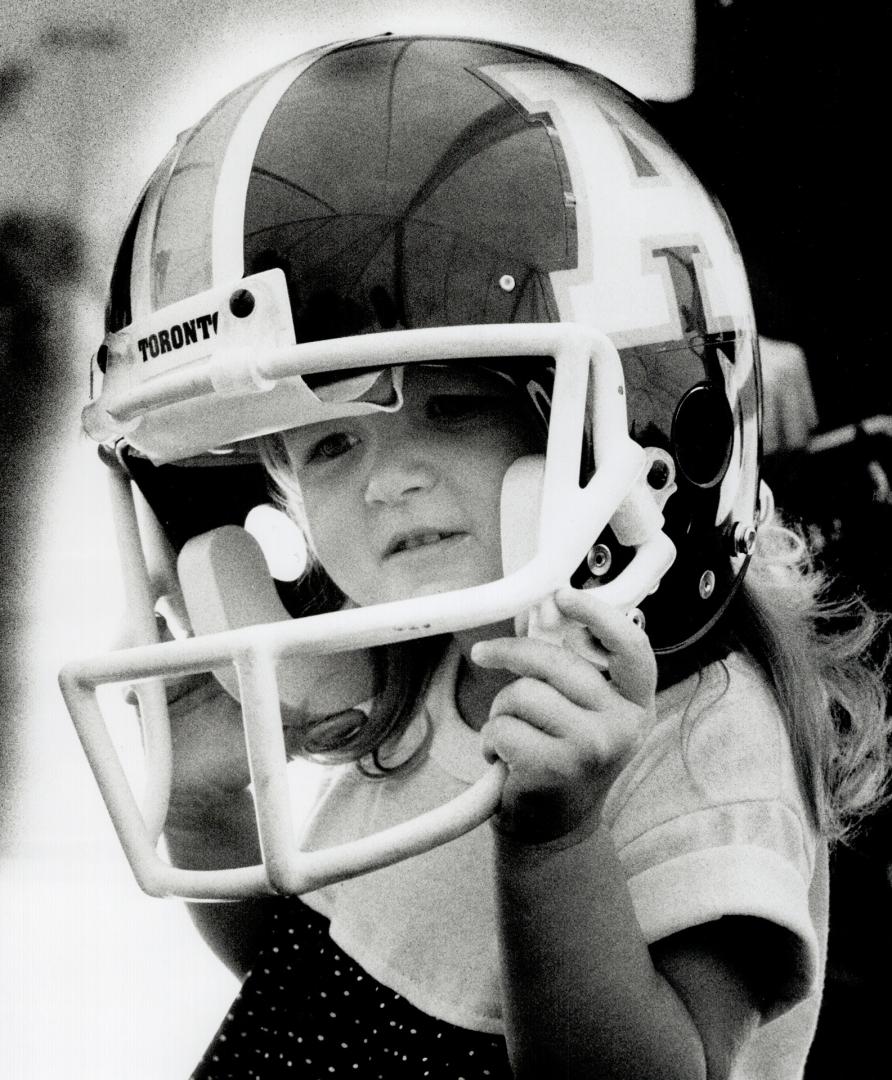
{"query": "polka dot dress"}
(307, 1010)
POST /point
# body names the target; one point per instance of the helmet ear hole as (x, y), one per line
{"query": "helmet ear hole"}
(703, 435)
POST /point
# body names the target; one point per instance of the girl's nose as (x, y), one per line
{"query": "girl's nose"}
(397, 474)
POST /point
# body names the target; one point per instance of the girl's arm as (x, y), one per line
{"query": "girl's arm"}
(583, 993)
(211, 823)
(584, 996)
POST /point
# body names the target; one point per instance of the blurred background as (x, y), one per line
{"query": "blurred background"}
(97, 979)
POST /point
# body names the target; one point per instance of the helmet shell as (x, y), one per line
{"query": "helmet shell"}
(403, 183)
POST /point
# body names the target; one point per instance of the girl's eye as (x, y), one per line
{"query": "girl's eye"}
(331, 446)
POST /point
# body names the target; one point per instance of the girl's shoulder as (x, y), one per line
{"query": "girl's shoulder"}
(721, 684)
(718, 738)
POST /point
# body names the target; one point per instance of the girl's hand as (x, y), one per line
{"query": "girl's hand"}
(210, 759)
(563, 728)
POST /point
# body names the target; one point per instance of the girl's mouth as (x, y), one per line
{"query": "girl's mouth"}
(420, 539)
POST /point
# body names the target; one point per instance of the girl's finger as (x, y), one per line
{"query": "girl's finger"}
(631, 661)
(612, 627)
(506, 738)
(565, 670)
(541, 706)
(591, 737)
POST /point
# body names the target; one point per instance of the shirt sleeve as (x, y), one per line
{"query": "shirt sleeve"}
(708, 819)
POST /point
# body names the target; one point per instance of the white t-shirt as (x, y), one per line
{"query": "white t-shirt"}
(707, 819)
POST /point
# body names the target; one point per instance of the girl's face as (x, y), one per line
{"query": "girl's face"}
(406, 504)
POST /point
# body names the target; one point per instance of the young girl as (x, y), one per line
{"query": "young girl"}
(651, 898)
(698, 812)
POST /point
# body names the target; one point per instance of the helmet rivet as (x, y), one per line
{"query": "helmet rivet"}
(707, 584)
(241, 303)
(743, 538)
(599, 559)
(507, 283)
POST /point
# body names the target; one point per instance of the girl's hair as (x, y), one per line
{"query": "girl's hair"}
(824, 659)
(820, 654)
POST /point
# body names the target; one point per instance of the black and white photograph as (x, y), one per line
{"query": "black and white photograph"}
(446, 493)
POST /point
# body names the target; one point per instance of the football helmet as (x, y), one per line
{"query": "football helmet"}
(367, 206)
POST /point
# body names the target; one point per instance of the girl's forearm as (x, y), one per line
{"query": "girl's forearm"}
(582, 996)
(209, 834)
(207, 831)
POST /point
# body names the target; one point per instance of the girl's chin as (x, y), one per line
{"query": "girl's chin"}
(426, 587)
